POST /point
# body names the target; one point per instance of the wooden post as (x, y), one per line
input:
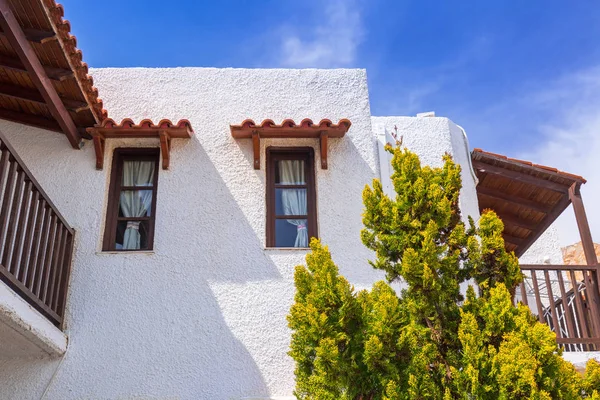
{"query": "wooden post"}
(165, 148)
(256, 148)
(323, 145)
(590, 254)
(583, 225)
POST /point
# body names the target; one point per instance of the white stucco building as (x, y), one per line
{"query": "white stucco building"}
(197, 308)
(202, 315)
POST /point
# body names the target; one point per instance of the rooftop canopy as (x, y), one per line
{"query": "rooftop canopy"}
(43, 80)
(526, 196)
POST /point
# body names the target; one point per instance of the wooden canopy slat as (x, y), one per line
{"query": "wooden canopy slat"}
(29, 119)
(36, 35)
(497, 194)
(526, 196)
(42, 73)
(21, 46)
(515, 175)
(19, 92)
(56, 74)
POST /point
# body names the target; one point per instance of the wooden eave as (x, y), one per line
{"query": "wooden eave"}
(43, 80)
(288, 129)
(165, 130)
(527, 197)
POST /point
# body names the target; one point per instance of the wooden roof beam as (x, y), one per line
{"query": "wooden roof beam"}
(521, 177)
(512, 239)
(29, 119)
(543, 225)
(21, 93)
(500, 195)
(18, 41)
(36, 35)
(517, 221)
(56, 74)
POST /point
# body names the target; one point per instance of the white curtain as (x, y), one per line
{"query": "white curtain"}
(135, 203)
(294, 200)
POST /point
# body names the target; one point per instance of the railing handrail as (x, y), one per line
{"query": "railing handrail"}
(569, 302)
(557, 267)
(36, 242)
(34, 181)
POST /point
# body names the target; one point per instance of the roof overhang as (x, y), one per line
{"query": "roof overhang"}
(288, 129)
(44, 82)
(526, 196)
(165, 130)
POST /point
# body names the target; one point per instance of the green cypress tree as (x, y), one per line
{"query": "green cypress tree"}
(428, 342)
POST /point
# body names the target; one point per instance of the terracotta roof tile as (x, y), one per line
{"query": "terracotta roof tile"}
(530, 164)
(288, 123)
(128, 123)
(69, 42)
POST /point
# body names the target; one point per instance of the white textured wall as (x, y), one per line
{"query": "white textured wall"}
(545, 250)
(430, 138)
(203, 316)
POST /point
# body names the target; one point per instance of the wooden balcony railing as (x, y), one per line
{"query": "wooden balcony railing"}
(36, 243)
(567, 298)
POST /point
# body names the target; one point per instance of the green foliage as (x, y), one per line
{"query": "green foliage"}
(428, 342)
(591, 379)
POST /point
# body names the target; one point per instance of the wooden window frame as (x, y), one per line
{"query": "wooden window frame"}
(290, 153)
(121, 155)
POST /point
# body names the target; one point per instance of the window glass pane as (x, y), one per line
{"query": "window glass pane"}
(291, 233)
(132, 235)
(290, 202)
(135, 203)
(290, 172)
(138, 173)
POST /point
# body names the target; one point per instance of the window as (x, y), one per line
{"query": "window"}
(132, 200)
(291, 199)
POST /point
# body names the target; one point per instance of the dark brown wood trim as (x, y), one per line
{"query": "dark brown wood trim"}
(578, 341)
(323, 147)
(256, 149)
(512, 239)
(298, 153)
(65, 280)
(521, 177)
(115, 187)
(30, 176)
(30, 120)
(165, 149)
(587, 243)
(99, 147)
(557, 267)
(497, 194)
(36, 35)
(56, 74)
(21, 93)
(100, 133)
(583, 225)
(28, 295)
(543, 225)
(515, 220)
(22, 47)
(266, 132)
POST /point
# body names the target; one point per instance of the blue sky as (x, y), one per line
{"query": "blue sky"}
(522, 77)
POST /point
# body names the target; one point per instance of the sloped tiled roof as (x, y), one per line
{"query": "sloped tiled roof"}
(62, 26)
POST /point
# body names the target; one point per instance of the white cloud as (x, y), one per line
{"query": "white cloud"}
(571, 141)
(332, 40)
